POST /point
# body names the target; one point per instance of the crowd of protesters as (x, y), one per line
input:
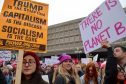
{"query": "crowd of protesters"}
(112, 71)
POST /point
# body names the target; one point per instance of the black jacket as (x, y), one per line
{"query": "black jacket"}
(111, 68)
(61, 80)
(2, 78)
(35, 79)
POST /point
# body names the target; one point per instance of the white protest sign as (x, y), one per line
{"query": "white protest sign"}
(95, 58)
(48, 61)
(54, 59)
(86, 60)
(5, 55)
(108, 21)
(45, 78)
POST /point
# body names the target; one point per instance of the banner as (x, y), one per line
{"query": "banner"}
(23, 25)
(108, 21)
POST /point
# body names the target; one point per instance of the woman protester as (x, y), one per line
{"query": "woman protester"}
(66, 71)
(31, 69)
(91, 75)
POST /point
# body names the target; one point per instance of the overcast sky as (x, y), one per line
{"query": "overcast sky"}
(65, 10)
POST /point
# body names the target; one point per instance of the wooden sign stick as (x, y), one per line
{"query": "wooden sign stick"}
(19, 67)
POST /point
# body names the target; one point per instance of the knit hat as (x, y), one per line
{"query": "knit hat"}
(63, 58)
(35, 57)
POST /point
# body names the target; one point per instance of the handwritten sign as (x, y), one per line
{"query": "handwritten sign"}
(23, 25)
(5, 55)
(108, 21)
(86, 60)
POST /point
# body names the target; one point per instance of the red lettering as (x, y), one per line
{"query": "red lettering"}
(96, 26)
(110, 3)
(104, 34)
(91, 18)
(119, 28)
(94, 41)
(86, 43)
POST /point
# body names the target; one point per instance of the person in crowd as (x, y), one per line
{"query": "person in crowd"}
(115, 66)
(43, 69)
(91, 75)
(2, 78)
(1, 63)
(48, 69)
(79, 70)
(31, 69)
(55, 73)
(102, 71)
(49, 72)
(97, 66)
(8, 74)
(83, 66)
(67, 73)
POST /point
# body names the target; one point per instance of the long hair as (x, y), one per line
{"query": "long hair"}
(65, 74)
(87, 75)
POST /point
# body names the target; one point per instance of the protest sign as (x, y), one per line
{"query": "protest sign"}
(5, 55)
(105, 22)
(23, 25)
(86, 60)
(95, 58)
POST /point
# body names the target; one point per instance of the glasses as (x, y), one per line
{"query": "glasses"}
(121, 69)
(29, 63)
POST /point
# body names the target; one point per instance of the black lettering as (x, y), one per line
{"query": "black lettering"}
(4, 28)
(25, 17)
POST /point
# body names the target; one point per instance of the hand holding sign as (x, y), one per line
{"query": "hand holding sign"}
(105, 44)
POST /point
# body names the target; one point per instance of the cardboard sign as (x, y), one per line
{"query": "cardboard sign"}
(86, 60)
(5, 55)
(108, 21)
(23, 25)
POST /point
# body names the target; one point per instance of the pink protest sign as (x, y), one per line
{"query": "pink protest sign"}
(108, 21)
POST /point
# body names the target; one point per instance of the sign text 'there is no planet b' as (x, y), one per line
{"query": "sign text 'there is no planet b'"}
(108, 21)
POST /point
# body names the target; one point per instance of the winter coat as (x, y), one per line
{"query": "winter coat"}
(61, 80)
(111, 68)
(2, 78)
(35, 79)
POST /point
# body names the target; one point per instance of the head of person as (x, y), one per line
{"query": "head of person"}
(65, 62)
(83, 66)
(55, 67)
(78, 67)
(5, 70)
(66, 69)
(48, 68)
(121, 75)
(91, 70)
(119, 52)
(31, 63)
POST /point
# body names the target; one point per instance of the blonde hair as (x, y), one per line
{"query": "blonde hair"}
(65, 73)
(54, 76)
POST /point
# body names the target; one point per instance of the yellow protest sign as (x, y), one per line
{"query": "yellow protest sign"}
(24, 25)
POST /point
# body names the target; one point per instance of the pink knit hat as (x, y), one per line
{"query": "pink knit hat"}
(62, 58)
